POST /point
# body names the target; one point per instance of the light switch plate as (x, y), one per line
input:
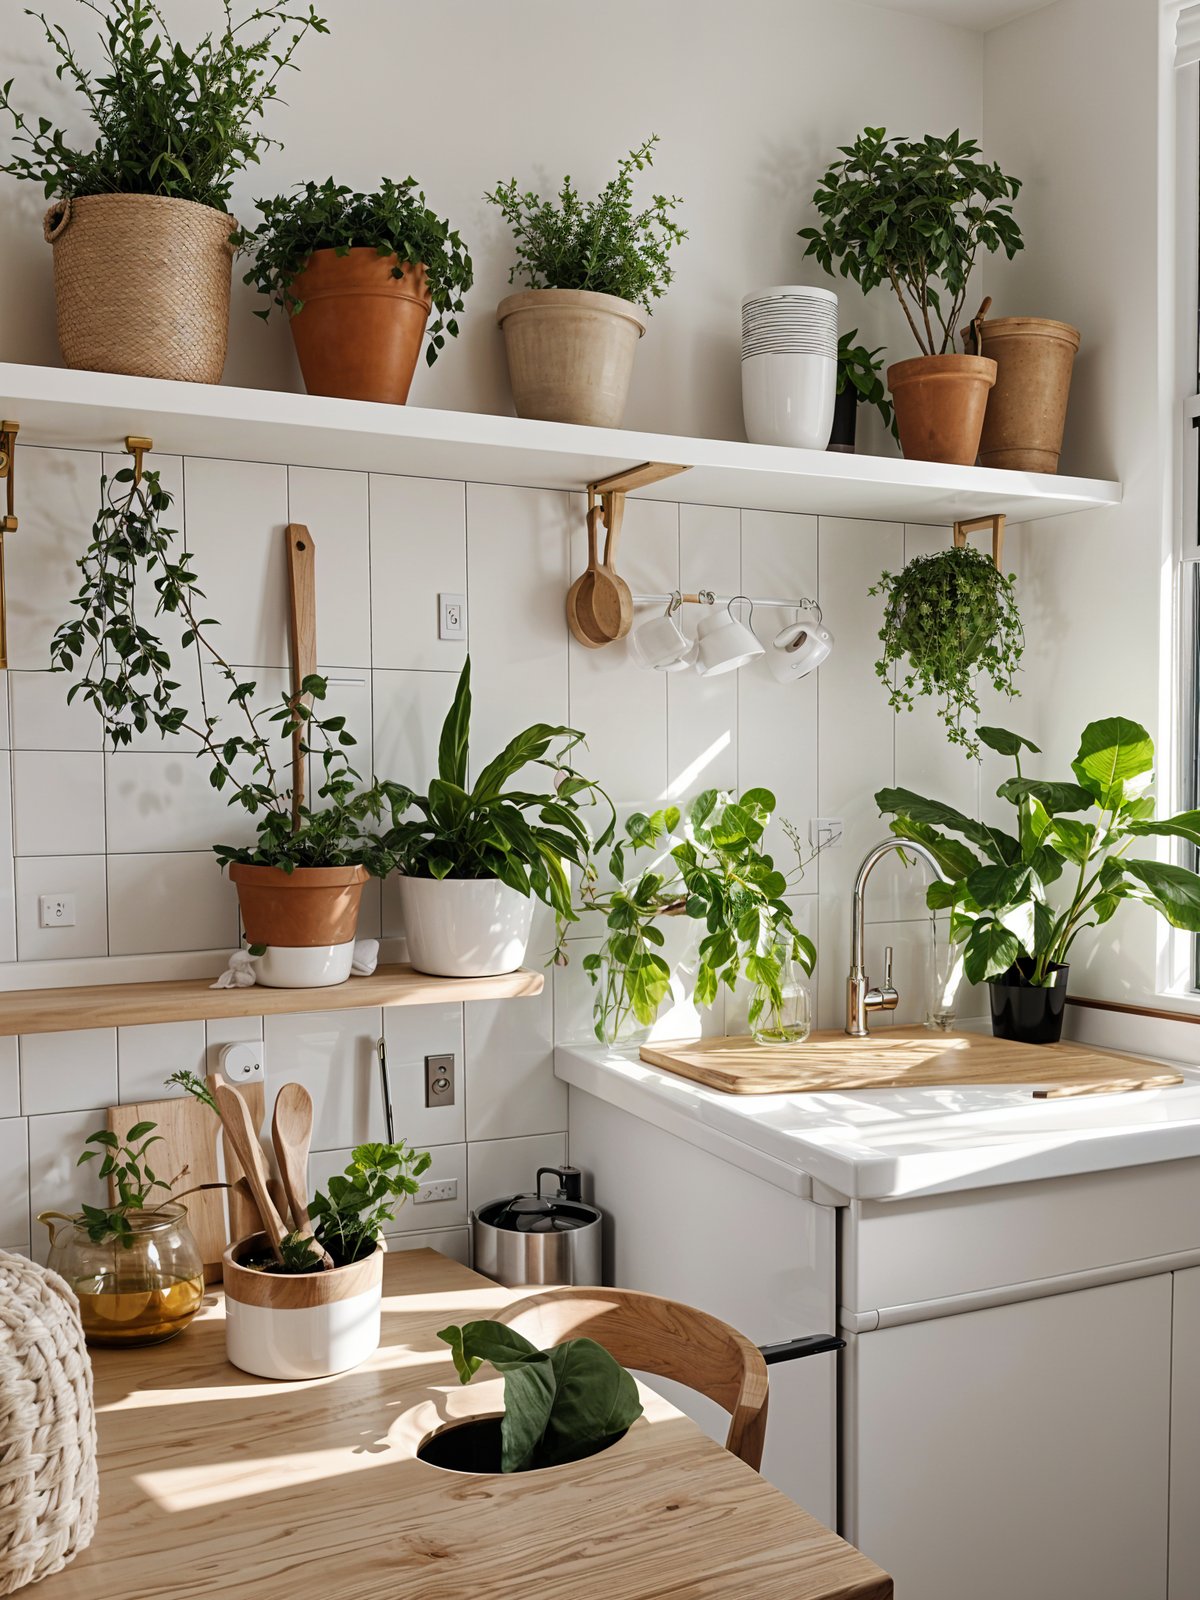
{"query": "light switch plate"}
(825, 833)
(56, 911)
(452, 616)
(439, 1081)
(243, 1062)
(429, 1192)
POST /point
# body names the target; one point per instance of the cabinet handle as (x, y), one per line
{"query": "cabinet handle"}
(812, 1344)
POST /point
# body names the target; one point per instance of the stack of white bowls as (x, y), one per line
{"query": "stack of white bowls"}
(789, 365)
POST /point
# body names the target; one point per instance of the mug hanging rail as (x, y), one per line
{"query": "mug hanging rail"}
(706, 597)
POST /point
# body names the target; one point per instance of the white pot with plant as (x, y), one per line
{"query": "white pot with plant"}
(139, 223)
(915, 214)
(299, 883)
(477, 858)
(591, 269)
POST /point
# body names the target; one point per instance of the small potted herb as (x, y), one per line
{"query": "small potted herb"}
(561, 1404)
(300, 882)
(357, 276)
(591, 269)
(140, 223)
(858, 382)
(950, 616)
(914, 214)
(1016, 935)
(478, 856)
(716, 874)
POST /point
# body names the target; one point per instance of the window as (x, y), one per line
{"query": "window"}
(1187, 99)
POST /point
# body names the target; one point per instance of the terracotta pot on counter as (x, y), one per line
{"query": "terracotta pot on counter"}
(306, 919)
(359, 330)
(940, 403)
(1027, 410)
(570, 354)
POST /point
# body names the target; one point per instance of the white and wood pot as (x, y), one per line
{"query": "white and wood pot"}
(570, 354)
(306, 919)
(464, 927)
(303, 1325)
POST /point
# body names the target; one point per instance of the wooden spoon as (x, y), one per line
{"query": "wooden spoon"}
(579, 594)
(236, 1117)
(291, 1134)
(607, 612)
(274, 1188)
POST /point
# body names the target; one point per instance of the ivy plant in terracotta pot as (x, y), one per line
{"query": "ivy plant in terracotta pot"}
(591, 269)
(358, 276)
(300, 878)
(139, 222)
(478, 856)
(915, 214)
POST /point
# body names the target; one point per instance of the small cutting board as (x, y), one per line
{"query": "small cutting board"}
(904, 1058)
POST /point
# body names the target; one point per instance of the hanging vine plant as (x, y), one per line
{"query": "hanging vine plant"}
(952, 617)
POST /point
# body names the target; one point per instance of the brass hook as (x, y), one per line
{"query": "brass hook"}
(137, 445)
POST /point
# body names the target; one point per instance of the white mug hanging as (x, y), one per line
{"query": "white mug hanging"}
(800, 648)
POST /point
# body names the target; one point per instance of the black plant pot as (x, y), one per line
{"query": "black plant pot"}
(845, 420)
(474, 1446)
(1028, 1014)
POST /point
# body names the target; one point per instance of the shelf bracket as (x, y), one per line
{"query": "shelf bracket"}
(597, 618)
(8, 522)
(976, 525)
(137, 445)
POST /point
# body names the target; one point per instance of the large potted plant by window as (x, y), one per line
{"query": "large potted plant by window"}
(915, 214)
(1016, 934)
(300, 882)
(479, 855)
(591, 269)
(139, 224)
(357, 276)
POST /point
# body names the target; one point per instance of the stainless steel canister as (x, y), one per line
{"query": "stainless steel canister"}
(537, 1238)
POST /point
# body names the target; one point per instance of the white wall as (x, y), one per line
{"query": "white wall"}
(750, 101)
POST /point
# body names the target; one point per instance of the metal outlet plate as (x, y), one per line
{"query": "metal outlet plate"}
(439, 1081)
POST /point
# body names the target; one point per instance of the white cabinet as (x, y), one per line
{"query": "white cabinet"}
(1185, 1438)
(1023, 1449)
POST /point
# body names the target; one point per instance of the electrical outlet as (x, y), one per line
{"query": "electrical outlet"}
(452, 616)
(439, 1081)
(825, 833)
(428, 1192)
(56, 911)
(243, 1062)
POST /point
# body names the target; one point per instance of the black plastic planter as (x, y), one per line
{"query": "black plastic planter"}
(474, 1446)
(1026, 1014)
(845, 420)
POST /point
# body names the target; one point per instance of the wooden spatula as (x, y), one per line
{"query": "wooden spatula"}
(291, 1134)
(242, 1136)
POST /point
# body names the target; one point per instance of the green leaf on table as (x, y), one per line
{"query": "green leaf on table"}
(594, 1399)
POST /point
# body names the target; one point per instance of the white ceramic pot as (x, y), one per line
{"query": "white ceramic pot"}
(789, 399)
(306, 1326)
(304, 966)
(465, 927)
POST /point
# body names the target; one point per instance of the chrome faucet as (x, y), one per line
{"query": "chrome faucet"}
(861, 997)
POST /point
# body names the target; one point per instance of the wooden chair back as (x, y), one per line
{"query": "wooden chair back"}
(665, 1339)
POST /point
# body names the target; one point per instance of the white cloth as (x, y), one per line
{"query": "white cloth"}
(241, 972)
(366, 958)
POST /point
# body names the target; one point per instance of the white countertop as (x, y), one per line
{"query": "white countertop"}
(883, 1143)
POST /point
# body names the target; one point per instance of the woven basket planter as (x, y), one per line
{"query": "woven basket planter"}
(141, 285)
(49, 1491)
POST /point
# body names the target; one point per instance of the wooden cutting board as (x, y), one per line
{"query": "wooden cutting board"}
(904, 1058)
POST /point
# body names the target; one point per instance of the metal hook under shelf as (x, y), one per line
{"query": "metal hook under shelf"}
(137, 445)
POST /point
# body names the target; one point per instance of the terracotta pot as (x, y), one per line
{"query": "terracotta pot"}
(1027, 410)
(359, 331)
(570, 354)
(940, 403)
(308, 907)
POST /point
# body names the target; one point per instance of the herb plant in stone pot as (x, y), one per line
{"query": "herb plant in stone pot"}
(139, 222)
(357, 276)
(858, 383)
(478, 857)
(1018, 901)
(300, 879)
(915, 214)
(591, 269)
(948, 618)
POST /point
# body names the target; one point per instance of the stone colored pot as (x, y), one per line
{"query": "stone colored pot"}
(302, 1325)
(940, 403)
(1027, 410)
(570, 354)
(306, 918)
(359, 331)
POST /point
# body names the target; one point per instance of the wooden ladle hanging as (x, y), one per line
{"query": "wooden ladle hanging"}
(580, 592)
(606, 609)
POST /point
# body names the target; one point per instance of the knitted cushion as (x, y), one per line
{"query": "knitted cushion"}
(48, 1485)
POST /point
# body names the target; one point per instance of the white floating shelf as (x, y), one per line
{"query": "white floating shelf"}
(95, 410)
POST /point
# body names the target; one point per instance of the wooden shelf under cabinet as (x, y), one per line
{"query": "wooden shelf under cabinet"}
(121, 1005)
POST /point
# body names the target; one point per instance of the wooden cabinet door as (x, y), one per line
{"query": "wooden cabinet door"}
(1021, 1450)
(1185, 1438)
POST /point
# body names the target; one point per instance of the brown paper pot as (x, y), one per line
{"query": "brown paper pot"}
(570, 354)
(1027, 410)
(309, 907)
(141, 285)
(940, 403)
(359, 332)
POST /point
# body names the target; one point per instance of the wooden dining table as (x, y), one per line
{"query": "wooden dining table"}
(217, 1484)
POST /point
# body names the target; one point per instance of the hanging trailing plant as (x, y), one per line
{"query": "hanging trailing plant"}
(952, 616)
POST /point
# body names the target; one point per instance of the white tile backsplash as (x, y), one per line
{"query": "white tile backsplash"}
(165, 803)
(14, 1183)
(58, 802)
(499, 1167)
(418, 551)
(411, 1033)
(84, 878)
(56, 1181)
(147, 1055)
(236, 515)
(333, 1054)
(41, 719)
(170, 901)
(68, 1071)
(511, 1087)
(333, 506)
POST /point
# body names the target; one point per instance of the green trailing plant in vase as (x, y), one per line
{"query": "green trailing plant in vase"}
(949, 618)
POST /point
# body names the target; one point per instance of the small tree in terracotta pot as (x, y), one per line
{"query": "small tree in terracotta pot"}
(591, 268)
(915, 214)
(357, 276)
